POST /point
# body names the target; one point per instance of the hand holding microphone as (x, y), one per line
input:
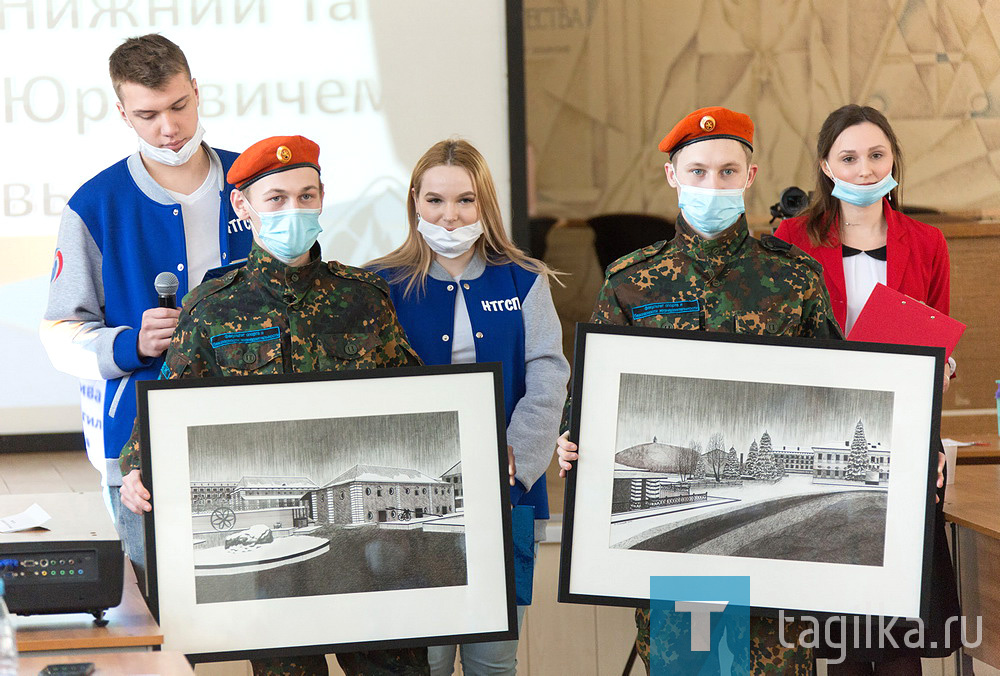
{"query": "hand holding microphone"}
(158, 323)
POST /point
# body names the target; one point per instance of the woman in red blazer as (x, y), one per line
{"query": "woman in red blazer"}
(863, 152)
(852, 227)
(916, 258)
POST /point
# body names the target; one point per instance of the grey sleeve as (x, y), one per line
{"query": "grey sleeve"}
(73, 330)
(534, 424)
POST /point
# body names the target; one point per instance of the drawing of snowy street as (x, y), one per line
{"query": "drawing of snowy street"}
(794, 490)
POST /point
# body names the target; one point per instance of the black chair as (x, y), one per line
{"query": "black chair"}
(911, 210)
(538, 230)
(618, 234)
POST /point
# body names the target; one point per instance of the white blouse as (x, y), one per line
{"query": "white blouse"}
(862, 271)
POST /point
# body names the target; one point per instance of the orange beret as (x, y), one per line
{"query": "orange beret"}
(708, 123)
(278, 153)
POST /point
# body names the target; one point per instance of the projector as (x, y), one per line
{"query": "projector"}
(75, 566)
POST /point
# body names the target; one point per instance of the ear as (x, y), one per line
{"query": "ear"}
(121, 112)
(824, 166)
(671, 173)
(413, 194)
(751, 174)
(239, 202)
(197, 95)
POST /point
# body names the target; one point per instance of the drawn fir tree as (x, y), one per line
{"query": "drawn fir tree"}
(750, 468)
(766, 469)
(780, 467)
(731, 470)
(700, 469)
(857, 461)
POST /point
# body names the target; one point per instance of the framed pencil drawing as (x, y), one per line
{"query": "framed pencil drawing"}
(316, 513)
(807, 465)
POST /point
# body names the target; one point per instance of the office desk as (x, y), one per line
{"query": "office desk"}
(166, 663)
(971, 505)
(130, 627)
(979, 428)
(986, 454)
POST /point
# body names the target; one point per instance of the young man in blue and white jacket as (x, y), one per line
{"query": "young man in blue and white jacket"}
(163, 209)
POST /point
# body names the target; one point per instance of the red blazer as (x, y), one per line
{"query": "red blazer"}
(916, 260)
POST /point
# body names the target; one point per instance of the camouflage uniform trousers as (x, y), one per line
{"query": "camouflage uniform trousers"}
(401, 662)
(759, 648)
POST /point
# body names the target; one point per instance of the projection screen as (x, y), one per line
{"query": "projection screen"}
(374, 82)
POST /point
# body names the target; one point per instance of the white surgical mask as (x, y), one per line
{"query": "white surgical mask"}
(169, 157)
(449, 243)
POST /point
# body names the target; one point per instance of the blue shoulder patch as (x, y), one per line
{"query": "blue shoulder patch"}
(255, 336)
(678, 307)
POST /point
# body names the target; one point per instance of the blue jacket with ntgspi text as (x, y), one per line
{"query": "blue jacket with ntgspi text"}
(118, 231)
(494, 302)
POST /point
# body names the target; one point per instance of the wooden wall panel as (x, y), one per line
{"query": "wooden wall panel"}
(605, 80)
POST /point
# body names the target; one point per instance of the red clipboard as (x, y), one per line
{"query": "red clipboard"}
(893, 317)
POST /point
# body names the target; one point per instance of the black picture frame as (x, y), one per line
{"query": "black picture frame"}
(180, 418)
(603, 353)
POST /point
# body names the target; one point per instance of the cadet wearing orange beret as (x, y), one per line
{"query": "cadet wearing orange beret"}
(713, 276)
(287, 311)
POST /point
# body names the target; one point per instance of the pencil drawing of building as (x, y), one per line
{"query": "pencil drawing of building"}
(454, 477)
(266, 492)
(374, 494)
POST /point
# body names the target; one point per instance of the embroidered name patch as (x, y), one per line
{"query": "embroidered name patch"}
(256, 336)
(502, 305)
(677, 307)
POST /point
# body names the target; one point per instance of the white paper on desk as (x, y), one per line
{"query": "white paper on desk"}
(32, 517)
(957, 443)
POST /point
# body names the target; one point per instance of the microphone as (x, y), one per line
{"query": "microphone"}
(166, 288)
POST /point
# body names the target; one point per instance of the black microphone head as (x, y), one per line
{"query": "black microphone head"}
(166, 284)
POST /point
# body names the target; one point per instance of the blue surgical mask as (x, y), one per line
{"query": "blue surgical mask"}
(289, 233)
(862, 195)
(710, 211)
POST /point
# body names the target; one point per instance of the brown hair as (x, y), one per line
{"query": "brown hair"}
(824, 209)
(148, 60)
(413, 258)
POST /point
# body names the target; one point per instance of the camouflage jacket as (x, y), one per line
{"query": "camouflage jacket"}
(267, 317)
(733, 284)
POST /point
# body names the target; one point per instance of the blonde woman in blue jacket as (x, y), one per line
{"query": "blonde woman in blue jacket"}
(464, 293)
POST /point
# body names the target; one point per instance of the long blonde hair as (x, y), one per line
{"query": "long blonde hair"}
(412, 260)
